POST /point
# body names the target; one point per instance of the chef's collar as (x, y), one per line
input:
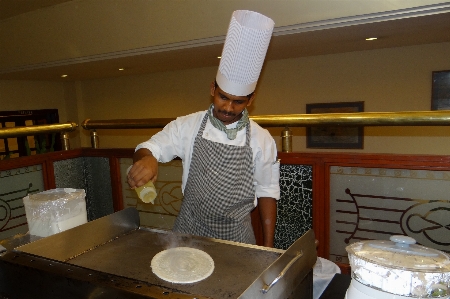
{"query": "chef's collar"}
(232, 132)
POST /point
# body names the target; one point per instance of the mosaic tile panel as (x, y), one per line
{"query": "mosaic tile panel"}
(294, 209)
(375, 203)
(70, 173)
(99, 196)
(91, 174)
(15, 184)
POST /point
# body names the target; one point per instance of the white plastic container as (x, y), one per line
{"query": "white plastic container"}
(397, 269)
(53, 211)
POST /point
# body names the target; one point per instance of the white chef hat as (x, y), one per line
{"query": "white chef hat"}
(244, 51)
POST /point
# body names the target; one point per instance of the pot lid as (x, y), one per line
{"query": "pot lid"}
(401, 252)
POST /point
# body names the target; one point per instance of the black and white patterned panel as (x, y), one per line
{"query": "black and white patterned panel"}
(70, 173)
(294, 209)
(99, 197)
(91, 174)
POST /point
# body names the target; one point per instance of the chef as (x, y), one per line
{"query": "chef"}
(229, 162)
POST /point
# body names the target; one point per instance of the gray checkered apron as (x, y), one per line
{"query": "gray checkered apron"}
(219, 193)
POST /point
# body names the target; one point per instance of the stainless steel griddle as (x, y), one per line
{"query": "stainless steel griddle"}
(110, 258)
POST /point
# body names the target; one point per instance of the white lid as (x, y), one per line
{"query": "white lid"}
(401, 253)
(244, 51)
(56, 194)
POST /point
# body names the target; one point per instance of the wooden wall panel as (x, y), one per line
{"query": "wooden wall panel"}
(321, 163)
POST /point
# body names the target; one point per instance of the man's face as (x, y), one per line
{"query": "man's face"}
(228, 108)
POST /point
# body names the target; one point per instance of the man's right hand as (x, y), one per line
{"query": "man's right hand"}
(145, 168)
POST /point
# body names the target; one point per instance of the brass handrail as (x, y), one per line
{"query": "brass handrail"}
(406, 118)
(62, 128)
(143, 123)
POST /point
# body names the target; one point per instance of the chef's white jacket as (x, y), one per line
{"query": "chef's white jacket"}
(177, 140)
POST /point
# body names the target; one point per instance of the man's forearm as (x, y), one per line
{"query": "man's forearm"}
(268, 213)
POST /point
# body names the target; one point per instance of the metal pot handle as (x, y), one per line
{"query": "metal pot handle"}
(266, 287)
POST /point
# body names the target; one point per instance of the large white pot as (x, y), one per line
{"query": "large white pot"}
(397, 269)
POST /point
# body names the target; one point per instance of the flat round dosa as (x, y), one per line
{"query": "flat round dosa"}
(182, 265)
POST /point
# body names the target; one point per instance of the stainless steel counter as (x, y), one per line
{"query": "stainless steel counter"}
(112, 256)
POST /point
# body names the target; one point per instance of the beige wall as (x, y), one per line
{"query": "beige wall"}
(20, 95)
(396, 79)
(30, 95)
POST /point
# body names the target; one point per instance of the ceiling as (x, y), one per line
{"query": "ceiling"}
(408, 31)
(12, 8)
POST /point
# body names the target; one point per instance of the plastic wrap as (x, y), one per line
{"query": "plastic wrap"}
(55, 210)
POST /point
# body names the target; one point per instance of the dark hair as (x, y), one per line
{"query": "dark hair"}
(217, 85)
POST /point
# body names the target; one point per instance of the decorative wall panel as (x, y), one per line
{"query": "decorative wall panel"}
(91, 174)
(70, 173)
(294, 209)
(375, 203)
(99, 197)
(163, 212)
(294, 215)
(15, 184)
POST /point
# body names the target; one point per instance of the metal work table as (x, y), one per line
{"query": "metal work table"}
(110, 258)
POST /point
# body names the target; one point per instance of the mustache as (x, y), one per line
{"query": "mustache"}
(226, 113)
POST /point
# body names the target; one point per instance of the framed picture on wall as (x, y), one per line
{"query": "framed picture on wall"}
(440, 91)
(338, 137)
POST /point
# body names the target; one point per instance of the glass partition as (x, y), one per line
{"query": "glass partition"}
(15, 184)
(375, 203)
